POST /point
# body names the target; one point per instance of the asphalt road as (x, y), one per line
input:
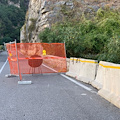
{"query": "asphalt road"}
(50, 97)
(3, 57)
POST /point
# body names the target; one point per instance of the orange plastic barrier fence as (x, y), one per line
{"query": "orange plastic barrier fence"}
(36, 58)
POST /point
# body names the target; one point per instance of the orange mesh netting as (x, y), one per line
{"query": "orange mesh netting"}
(12, 58)
(36, 58)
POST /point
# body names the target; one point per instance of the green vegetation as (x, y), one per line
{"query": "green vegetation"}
(31, 27)
(97, 37)
(1, 47)
(11, 20)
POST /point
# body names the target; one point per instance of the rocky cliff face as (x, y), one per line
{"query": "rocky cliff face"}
(43, 13)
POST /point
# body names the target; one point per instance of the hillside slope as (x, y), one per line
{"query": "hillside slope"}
(12, 14)
(43, 13)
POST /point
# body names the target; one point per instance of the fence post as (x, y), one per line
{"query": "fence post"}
(20, 77)
(65, 55)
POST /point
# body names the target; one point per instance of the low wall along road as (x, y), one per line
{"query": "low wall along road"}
(105, 76)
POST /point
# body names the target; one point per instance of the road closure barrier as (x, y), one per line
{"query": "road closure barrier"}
(98, 82)
(74, 67)
(111, 83)
(36, 58)
(88, 69)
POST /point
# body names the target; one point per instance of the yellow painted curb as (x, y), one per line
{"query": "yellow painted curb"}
(89, 61)
(83, 61)
(114, 67)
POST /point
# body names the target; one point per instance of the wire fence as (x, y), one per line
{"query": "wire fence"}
(36, 58)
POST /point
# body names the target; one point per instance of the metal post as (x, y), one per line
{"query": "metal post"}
(6, 49)
(17, 59)
(65, 48)
(10, 46)
(65, 54)
(5, 46)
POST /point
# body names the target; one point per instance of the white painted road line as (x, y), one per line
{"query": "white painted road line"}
(49, 68)
(3, 66)
(77, 83)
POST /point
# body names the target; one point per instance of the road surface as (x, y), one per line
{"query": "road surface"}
(51, 97)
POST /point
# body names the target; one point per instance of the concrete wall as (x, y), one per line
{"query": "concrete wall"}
(105, 77)
(88, 70)
(111, 83)
(98, 82)
(74, 67)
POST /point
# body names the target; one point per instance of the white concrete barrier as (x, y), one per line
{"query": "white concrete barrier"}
(111, 83)
(68, 63)
(74, 67)
(98, 82)
(87, 70)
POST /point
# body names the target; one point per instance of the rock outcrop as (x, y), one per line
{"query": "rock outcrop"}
(43, 13)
